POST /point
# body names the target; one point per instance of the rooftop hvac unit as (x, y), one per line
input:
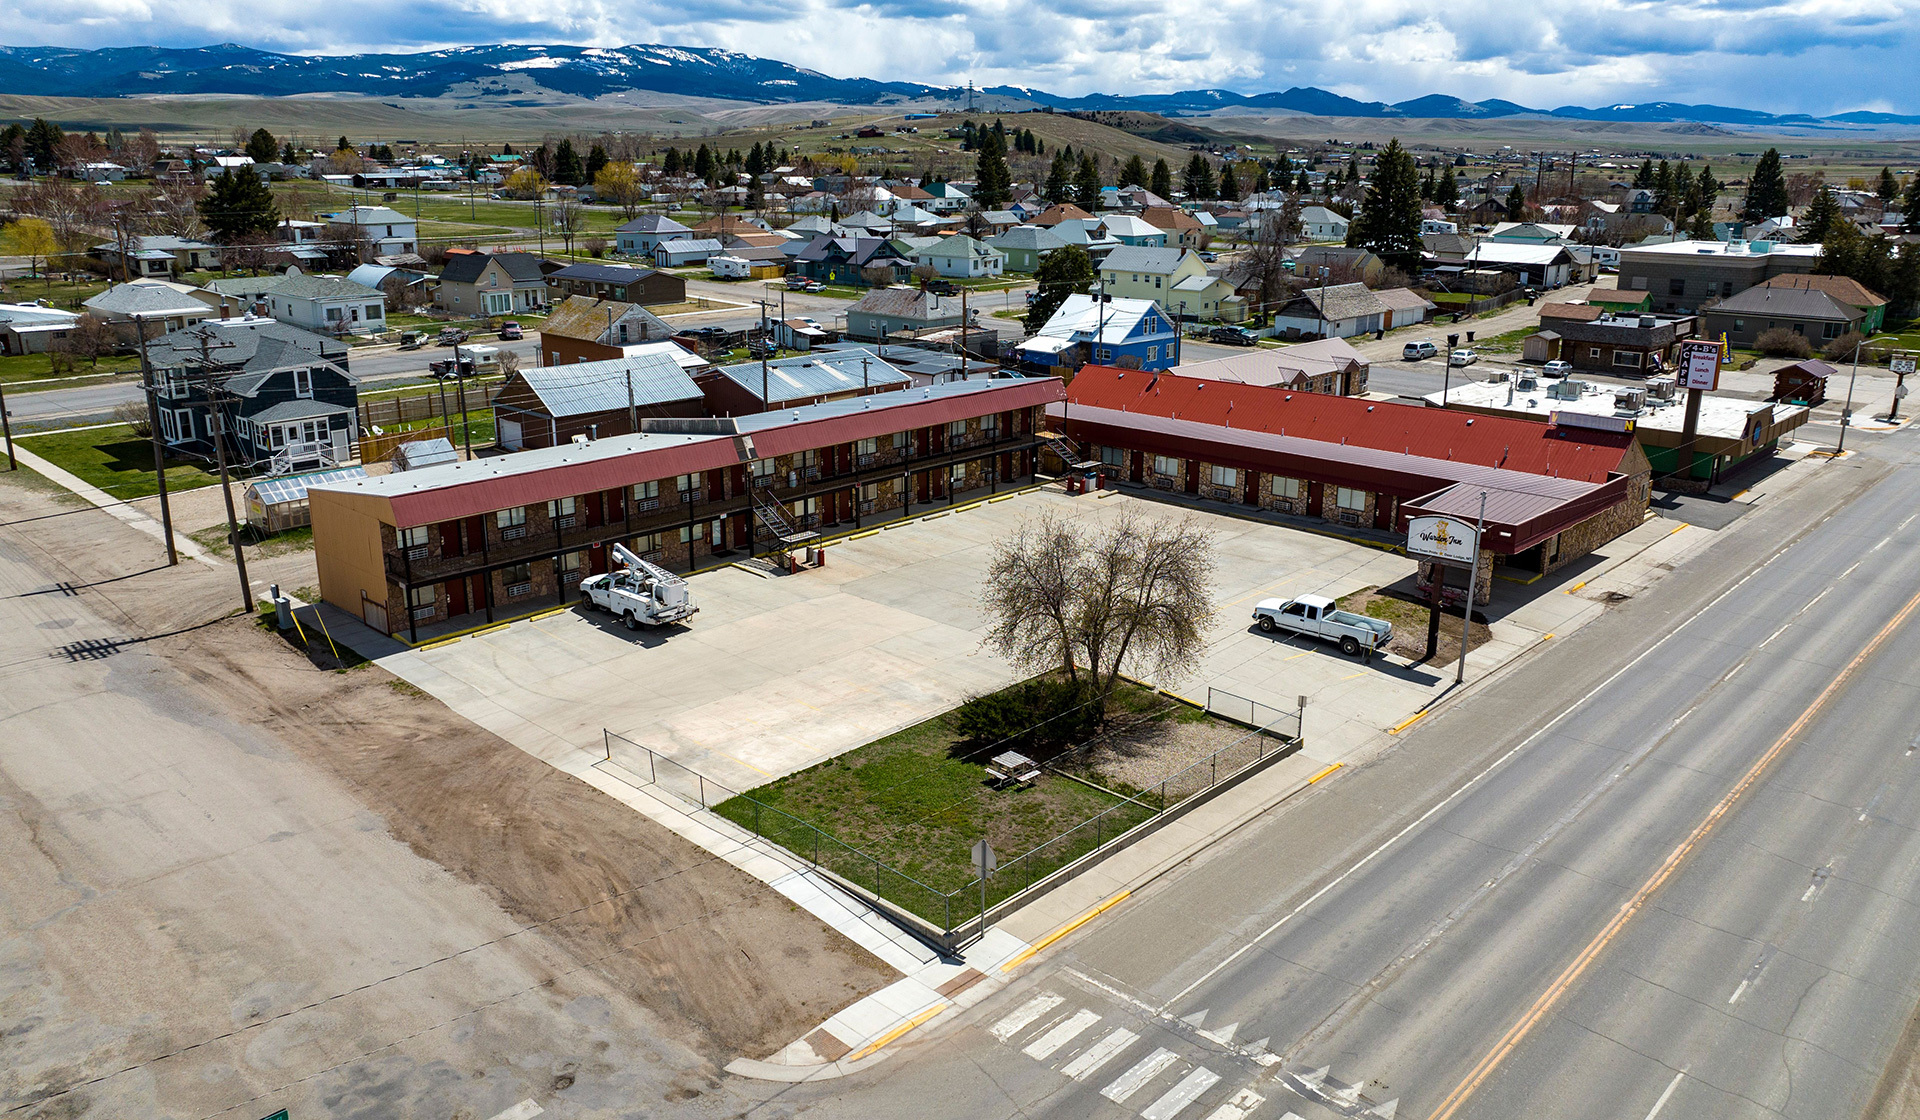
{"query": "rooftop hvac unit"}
(1647, 322)
(1631, 398)
(1568, 390)
(1660, 388)
(1528, 383)
(1497, 377)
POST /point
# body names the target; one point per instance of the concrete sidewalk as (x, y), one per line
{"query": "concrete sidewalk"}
(124, 512)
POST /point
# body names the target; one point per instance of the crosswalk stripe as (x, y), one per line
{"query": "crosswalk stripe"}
(1023, 1018)
(1143, 1071)
(1181, 1095)
(1043, 1047)
(1099, 1054)
(1240, 1106)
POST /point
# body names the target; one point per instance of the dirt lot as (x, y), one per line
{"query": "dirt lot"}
(688, 936)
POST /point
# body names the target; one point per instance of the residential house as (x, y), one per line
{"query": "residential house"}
(402, 287)
(686, 251)
(1090, 234)
(284, 394)
(885, 311)
(1745, 316)
(946, 198)
(962, 257)
(751, 387)
(1110, 330)
(1026, 247)
(1343, 265)
(1178, 278)
(1132, 231)
(326, 304)
(547, 406)
(1616, 345)
(584, 329)
(1183, 230)
(1684, 275)
(491, 284)
(157, 255)
(1328, 365)
(1530, 233)
(1844, 289)
(1533, 265)
(32, 328)
(153, 304)
(1317, 223)
(639, 237)
(800, 332)
(999, 221)
(1334, 311)
(1405, 307)
(385, 229)
(844, 260)
(623, 282)
(1062, 212)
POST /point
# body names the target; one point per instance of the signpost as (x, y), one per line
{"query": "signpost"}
(983, 863)
(1902, 364)
(1700, 373)
(1446, 540)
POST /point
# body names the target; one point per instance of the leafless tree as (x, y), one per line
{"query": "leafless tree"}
(173, 207)
(595, 246)
(141, 151)
(351, 239)
(134, 415)
(877, 275)
(509, 363)
(91, 337)
(251, 252)
(1134, 593)
(569, 218)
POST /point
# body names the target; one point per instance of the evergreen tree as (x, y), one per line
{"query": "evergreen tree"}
(343, 146)
(1701, 228)
(1388, 222)
(926, 178)
(1889, 186)
(1706, 191)
(1059, 179)
(1822, 216)
(1160, 182)
(1910, 208)
(671, 164)
(994, 182)
(1304, 185)
(116, 141)
(596, 160)
(1663, 189)
(1086, 183)
(262, 146)
(1684, 199)
(238, 205)
(1062, 272)
(1428, 184)
(287, 154)
(703, 163)
(567, 167)
(1446, 192)
(1197, 181)
(1134, 174)
(1643, 178)
(1516, 204)
(1229, 184)
(43, 140)
(1353, 170)
(1766, 189)
(1261, 184)
(1283, 169)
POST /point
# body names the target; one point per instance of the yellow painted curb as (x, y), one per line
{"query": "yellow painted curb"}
(936, 516)
(1004, 497)
(1544, 637)
(867, 533)
(896, 1032)
(1330, 769)
(1027, 954)
(490, 629)
(1575, 587)
(548, 614)
(1408, 722)
(1677, 528)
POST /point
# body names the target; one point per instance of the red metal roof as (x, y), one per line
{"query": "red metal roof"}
(1430, 433)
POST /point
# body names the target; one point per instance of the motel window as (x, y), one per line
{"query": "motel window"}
(560, 507)
(686, 482)
(1113, 456)
(990, 423)
(415, 537)
(1350, 499)
(957, 429)
(422, 596)
(508, 518)
(1286, 488)
(642, 491)
(1593, 352)
(1626, 358)
(518, 576)
(645, 544)
(869, 491)
(899, 441)
(958, 475)
(763, 469)
(570, 561)
(1165, 464)
(686, 534)
(867, 447)
(1226, 476)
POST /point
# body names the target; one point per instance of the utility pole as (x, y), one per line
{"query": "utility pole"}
(633, 414)
(6, 426)
(1846, 411)
(1902, 364)
(1473, 588)
(219, 426)
(153, 426)
(765, 389)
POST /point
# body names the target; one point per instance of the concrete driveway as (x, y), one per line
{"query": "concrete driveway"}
(777, 674)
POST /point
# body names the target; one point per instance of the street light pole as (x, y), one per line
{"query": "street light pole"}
(1846, 411)
(1473, 587)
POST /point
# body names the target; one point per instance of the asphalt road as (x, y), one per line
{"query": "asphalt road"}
(1663, 869)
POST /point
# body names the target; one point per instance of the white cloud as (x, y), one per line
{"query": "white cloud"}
(1781, 55)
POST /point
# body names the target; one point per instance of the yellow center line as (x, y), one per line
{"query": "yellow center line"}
(1566, 979)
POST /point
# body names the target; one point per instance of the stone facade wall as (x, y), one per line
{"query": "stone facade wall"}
(1482, 586)
(1271, 501)
(1621, 517)
(1330, 510)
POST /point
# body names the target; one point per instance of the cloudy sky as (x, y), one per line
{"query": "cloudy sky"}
(1817, 56)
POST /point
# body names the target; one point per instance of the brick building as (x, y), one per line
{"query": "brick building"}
(511, 534)
(1554, 493)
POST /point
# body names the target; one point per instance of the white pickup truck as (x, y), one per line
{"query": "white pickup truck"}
(642, 594)
(1316, 616)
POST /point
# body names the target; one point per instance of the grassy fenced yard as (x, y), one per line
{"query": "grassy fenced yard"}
(117, 460)
(900, 815)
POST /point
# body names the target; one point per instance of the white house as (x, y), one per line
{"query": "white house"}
(686, 250)
(643, 234)
(963, 257)
(326, 304)
(391, 232)
(1317, 223)
(31, 328)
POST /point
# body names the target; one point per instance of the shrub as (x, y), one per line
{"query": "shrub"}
(1841, 348)
(1783, 343)
(1034, 717)
(134, 415)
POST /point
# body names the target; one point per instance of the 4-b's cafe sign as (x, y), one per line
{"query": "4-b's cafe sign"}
(1700, 364)
(1441, 538)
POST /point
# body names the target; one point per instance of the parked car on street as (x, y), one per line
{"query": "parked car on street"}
(1232, 336)
(412, 340)
(451, 336)
(1463, 357)
(1316, 616)
(510, 331)
(1556, 368)
(797, 283)
(813, 286)
(1416, 351)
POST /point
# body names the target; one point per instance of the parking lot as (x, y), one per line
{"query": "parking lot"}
(776, 674)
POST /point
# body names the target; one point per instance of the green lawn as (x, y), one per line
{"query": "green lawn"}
(39, 367)
(117, 461)
(915, 804)
(60, 293)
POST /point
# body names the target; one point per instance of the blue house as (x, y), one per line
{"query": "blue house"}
(1104, 330)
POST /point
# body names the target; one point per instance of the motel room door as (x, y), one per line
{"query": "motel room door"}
(1193, 476)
